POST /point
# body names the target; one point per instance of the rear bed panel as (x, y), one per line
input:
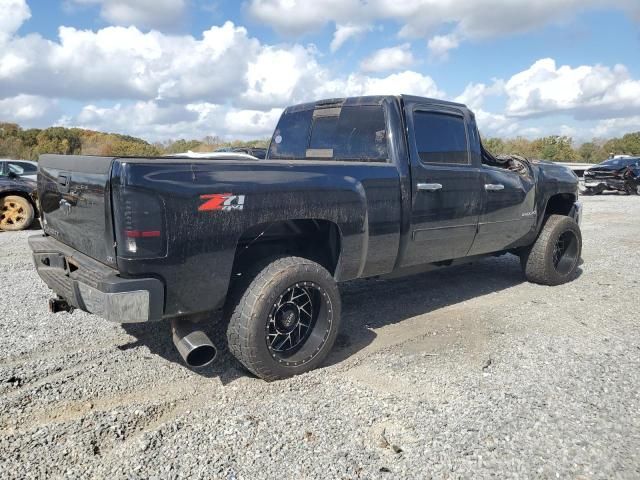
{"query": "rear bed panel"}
(75, 199)
(362, 199)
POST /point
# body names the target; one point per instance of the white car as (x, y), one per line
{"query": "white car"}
(213, 155)
(22, 168)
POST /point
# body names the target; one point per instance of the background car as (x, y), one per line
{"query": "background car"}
(622, 174)
(18, 205)
(22, 168)
(257, 152)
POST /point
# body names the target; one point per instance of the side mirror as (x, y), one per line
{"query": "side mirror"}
(12, 175)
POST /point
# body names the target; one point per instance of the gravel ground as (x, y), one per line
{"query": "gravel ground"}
(465, 372)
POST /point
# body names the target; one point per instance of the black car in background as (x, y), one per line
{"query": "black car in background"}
(622, 174)
(18, 204)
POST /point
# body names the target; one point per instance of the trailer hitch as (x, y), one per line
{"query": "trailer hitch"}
(57, 305)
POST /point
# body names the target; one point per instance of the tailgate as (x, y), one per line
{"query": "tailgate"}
(74, 193)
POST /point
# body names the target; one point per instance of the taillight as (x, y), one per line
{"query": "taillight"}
(140, 226)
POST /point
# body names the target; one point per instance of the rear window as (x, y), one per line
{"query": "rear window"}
(346, 133)
(440, 137)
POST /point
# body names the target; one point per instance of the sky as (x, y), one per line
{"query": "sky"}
(169, 69)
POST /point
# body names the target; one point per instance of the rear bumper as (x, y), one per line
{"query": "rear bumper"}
(93, 287)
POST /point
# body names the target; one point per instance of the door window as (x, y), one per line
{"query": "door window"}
(440, 138)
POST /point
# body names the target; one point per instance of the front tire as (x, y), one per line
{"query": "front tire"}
(16, 213)
(287, 320)
(553, 258)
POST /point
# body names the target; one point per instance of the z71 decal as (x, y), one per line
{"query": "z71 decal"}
(221, 201)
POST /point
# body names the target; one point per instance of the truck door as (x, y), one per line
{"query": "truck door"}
(446, 185)
(509, 211)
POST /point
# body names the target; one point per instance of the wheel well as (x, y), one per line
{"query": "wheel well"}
(560, 204)
(317, 240)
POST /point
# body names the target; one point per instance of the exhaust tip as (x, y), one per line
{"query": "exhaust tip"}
(201, 356)
(194, 346)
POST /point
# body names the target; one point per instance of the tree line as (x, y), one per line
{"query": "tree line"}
(28, 144)
(19, 143)
(562, 149)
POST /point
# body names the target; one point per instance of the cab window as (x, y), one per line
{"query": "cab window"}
(440, 137)
(356, 133)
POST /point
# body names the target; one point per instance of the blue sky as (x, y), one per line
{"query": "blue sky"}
(165, 69)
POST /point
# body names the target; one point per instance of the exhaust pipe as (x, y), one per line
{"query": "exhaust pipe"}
(194, 346)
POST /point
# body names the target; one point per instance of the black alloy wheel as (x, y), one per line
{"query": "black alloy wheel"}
(286, 320)
(565, 252)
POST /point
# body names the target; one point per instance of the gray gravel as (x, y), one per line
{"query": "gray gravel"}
(466, 372)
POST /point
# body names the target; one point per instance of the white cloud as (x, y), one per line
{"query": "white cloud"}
(393, 58)
(224, 82)
(496, 124)
(345, 32)
(407, 82)
(13, 13)
(292, 17)
(490, 124)
(616, 127)
(154, 121)
(587, 91)
(141, 13)
(440, 45)
(252, 123)
(470, 19)
(279, 75)
(120, 63)
(149, 120)
(475, 94)
(25, 108)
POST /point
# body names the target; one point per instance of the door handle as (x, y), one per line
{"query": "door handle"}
(493, 187)
(64, 182)
(430, 187)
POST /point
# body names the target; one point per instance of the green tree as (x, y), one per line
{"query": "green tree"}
(591, 152)
(558, 148)
(58, 140)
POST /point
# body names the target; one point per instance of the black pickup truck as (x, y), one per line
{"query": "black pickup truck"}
(350, 188)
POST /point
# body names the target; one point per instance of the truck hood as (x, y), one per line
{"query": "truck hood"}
(604, 169)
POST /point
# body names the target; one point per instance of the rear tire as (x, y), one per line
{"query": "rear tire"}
(553, 258)
(286, 321)
(16, 213)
